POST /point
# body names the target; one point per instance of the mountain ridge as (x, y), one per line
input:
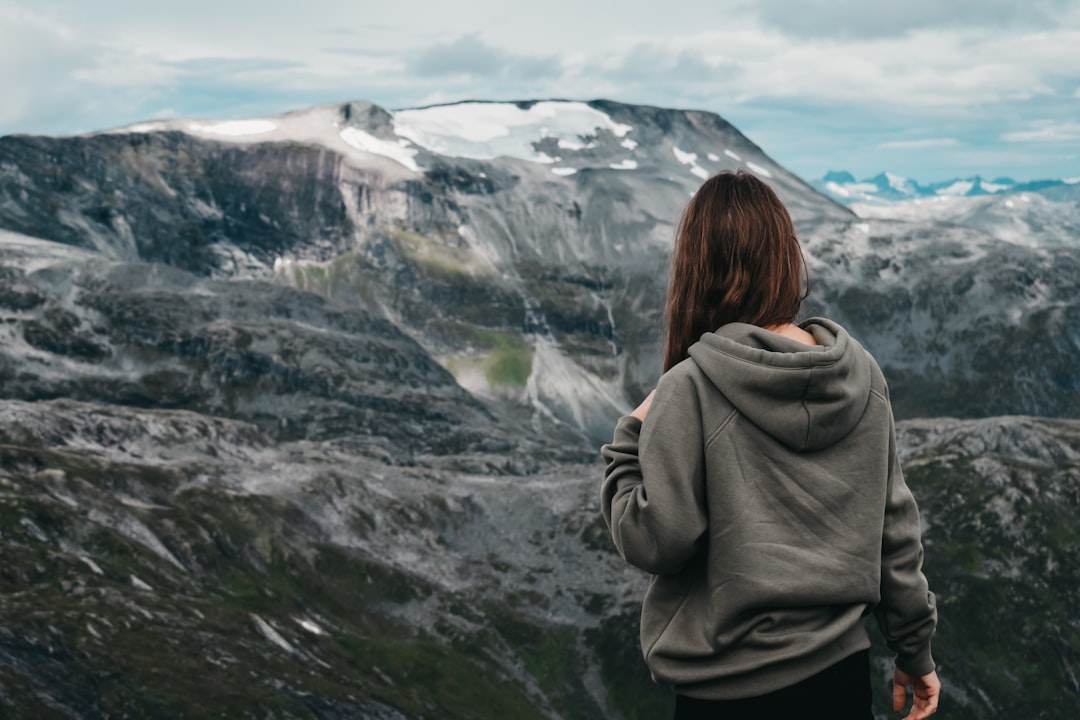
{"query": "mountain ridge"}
(886, 187)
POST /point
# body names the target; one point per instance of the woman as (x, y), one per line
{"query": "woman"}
(759, 484)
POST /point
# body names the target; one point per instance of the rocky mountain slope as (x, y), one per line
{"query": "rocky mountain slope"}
(524, 245)
(160, 563)
(299, 415)
(521, 258)
(1030, 219)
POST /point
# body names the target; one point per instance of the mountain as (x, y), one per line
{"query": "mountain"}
(520, 255)
(886, 188)
(1022, 219)
(299, 415)
(162, 563)
(523, 247)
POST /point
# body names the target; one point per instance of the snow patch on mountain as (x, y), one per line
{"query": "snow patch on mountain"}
(960, 187)
(887, 187)
(690, 160)
(484, 131)
(686, 158)
(398, 152)
(92, 565)
(1027, 219)
(757, 169)
(272, 635)
(897, 182)
(234, 127)
(575, 145)
(140, 584)
(308, 625)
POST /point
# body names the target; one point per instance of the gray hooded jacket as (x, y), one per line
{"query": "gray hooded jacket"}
(764, 493)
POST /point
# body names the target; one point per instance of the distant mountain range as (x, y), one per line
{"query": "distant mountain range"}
(842, 186)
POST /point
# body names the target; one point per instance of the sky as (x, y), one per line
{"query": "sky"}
(926, 89)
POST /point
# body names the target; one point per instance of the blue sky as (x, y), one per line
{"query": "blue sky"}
(929, 89)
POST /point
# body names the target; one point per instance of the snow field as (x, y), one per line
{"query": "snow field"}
(398, 152)
(483, 131)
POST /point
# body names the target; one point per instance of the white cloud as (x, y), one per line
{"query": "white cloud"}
(467, 54)
(745, 55)
(38, 57)
(858, 18)
(114, 70)
(470, 55)
(936, 70)
(924, 69)
(1046, 131)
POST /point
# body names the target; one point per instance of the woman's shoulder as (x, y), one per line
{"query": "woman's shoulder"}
(685, 372)
(687, 382)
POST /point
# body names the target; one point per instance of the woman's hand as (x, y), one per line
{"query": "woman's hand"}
(925, 691)
(641, 410)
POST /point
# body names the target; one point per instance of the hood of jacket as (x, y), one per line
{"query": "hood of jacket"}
(808, 398)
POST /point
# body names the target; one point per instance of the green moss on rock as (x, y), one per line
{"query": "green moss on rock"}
(431, 256)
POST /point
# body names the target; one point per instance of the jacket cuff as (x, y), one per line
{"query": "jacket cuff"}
(628, 428)
(917, 665)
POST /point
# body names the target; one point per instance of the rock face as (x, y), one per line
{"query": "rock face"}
(524, 246)
(963, 324)
(162, 562)
(298, 416)
(999, 498)
(529, 263)
(148, 335)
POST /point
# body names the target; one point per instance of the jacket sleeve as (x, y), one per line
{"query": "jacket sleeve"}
(907, 613)
(653, 493)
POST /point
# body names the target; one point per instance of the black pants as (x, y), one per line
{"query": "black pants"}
(841, 691)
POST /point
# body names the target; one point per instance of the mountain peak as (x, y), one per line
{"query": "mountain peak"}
(838, 176)
(886, 187)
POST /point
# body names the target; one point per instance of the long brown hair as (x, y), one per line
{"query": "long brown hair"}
(736, 259)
